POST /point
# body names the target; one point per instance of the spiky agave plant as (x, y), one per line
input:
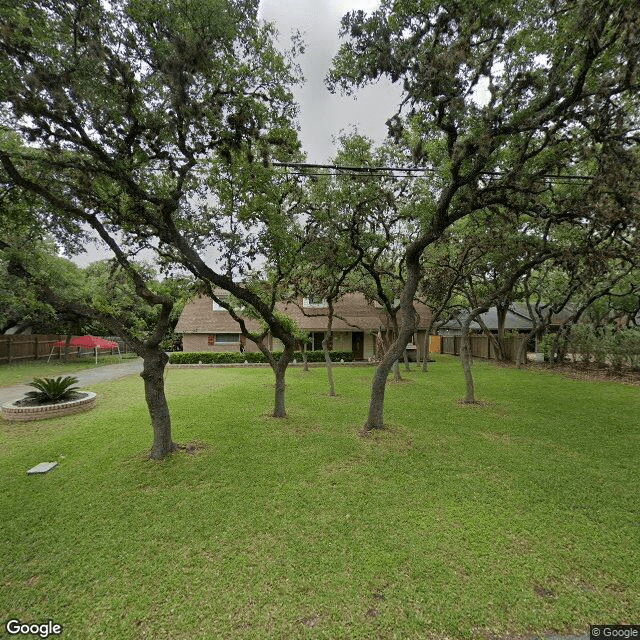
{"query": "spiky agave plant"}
(52, 389)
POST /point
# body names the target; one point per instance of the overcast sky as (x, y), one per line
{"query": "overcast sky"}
(322, 114)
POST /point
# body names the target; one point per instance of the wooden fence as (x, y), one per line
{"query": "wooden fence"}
(18, 348)
(482, 347)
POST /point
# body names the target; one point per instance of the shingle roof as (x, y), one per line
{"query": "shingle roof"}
(517, 318)
(198, 316)
(352, 312)
(513, 321)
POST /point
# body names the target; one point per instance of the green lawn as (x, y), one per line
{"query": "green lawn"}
(26, 371)
(514, 517)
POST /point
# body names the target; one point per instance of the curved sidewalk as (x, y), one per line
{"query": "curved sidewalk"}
(86, 378)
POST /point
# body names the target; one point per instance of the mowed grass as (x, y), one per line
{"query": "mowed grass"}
(26, 371)
(510, 518)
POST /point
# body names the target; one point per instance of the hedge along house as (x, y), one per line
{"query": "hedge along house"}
(207, 327)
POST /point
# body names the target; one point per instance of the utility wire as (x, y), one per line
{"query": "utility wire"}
(308, 165)
(346, 170)
(307, 174)
(343, 175)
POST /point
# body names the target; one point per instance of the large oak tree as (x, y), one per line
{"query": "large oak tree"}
(121, 108)
(496, 96)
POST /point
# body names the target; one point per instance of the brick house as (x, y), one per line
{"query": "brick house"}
(207, 327)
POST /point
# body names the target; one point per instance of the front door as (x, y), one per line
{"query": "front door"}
(357, 345)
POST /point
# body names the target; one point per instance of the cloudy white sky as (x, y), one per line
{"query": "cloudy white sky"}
(322, 115)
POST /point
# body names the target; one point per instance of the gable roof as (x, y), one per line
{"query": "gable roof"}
(352, 312)
(517, 319)
(198, 316)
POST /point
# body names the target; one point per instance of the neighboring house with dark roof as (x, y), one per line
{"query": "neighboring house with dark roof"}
(207, 327)
(517, 319)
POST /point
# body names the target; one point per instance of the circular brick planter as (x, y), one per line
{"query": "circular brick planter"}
(11, 411)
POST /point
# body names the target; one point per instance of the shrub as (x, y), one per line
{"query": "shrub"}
(583, 341)
(547, 345)
(52, 389)
(208, 357)
(630, 345)
(615, 349)
(235, 357)
(600, 350)
(253, 356)
(621, 347)
(624, 347)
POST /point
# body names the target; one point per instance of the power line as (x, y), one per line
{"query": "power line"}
(309, 165)
(343, 175)
(347, 170)
(554, 179)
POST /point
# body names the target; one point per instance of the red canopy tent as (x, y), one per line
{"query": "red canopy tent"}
(87, 342)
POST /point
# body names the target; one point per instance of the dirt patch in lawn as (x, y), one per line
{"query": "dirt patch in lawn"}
(475, 403)
(193, 448)
(579, 371)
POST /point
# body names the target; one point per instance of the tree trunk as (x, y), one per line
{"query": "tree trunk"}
(279, 408)
(501, 310)
(327, 359)
(465, 358)
(325, 347)
(153, 376)
(405, 357)
(465, 355)
(304, 357)
(521, 356)
(376, 404)
(380, 349)
(498, 345)
(280, 370)
(426, 348)
(396, 365)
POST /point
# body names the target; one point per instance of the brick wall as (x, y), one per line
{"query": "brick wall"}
(199, 342)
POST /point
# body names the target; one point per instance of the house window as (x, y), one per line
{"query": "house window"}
(316, 340)
(216, 306)
(314, 302)
(227, 338)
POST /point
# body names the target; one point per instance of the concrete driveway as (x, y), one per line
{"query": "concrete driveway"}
(86, 378)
